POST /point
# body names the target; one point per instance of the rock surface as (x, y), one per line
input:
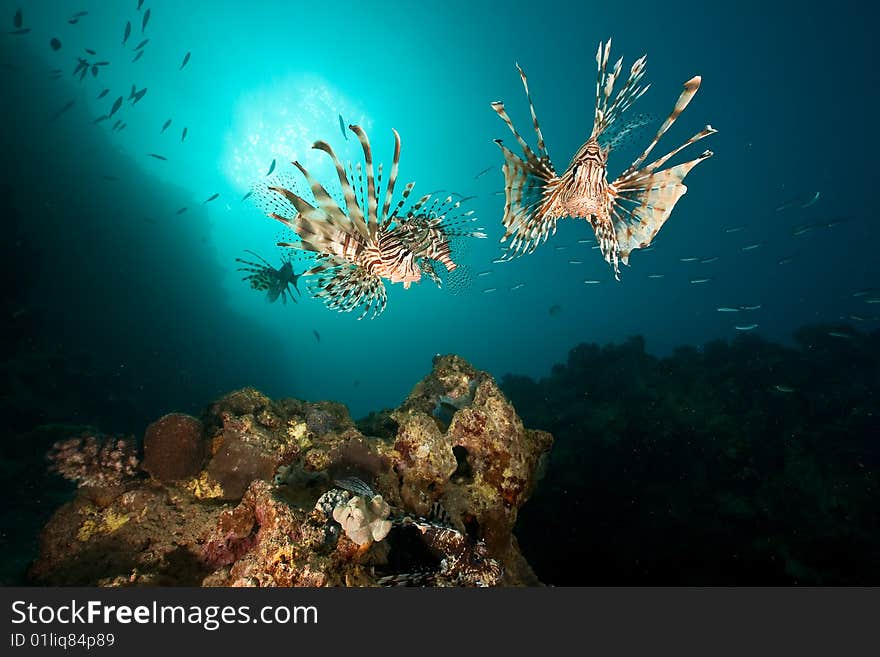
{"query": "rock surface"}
(453, 465)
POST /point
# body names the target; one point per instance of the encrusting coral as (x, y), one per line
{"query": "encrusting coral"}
(364, 520)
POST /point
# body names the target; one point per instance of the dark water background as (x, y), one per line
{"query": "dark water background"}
(117, 310)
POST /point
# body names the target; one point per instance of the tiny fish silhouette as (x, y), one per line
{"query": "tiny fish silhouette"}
(103, 93)
(138, 56)
(55, 44)
(181, 211)
(146, 20)
(183, 135)
(271, 168)
(208, 200)
(141, 44)
(165, 127)
(127, 32)
(185, 60)
(317, 335)
(342, 127)
(17, 20)
(247, 196)
(158, 157)
(116, 105)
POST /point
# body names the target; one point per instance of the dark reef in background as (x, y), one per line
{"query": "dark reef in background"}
(739, 463)
(112, 312)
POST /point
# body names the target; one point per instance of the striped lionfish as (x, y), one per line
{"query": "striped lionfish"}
(357, 252)
(625, 214)
(274, 282)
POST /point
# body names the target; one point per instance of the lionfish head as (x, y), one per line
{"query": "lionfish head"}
(591, 152)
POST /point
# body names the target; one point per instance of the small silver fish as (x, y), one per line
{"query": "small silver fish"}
(746, 327)
(656, 275)
(517, 286)
(342, 127)
(484, 273)
(695, 281)
(785, 261)
(489, 290)
(840, 334)
(575, 262)
(785, 389)
(706, 261)
(483, 172)
(811, 201)
(755, 307)
(733, 229)
(688, 259)
(727, 309)
(592, 281)
(752, 247)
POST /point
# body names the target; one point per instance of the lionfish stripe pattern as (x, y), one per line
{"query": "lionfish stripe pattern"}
(626, 213)
(357, 251)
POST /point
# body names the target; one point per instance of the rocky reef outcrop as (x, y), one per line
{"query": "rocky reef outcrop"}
(262, 492)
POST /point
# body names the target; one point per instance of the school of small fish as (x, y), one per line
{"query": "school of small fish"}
(370, 241)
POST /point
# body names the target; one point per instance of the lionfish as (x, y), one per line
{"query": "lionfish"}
(358, 251)
(274, 282)
(625, 214)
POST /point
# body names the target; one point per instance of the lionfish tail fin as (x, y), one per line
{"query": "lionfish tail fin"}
(609, 107)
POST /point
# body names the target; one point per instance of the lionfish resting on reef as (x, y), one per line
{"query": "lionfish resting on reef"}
(274, 282)
(361, 245)
(626, 213)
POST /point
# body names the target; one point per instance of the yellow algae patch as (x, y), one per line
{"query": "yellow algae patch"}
(298, 431)
(106, 524)
(204, 487)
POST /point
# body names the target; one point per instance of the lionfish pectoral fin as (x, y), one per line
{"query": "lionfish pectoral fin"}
(528, 181)
(642, 202)
(527, 219)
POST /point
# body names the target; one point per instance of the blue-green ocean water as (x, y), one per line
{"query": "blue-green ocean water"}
(111, 291)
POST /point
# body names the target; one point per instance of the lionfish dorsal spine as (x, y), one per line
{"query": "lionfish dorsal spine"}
(687, 94)
(372, 203)
(392, 178)
(355, 214)
(606, 114)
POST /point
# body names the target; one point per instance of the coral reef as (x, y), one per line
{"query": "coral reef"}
(99, 465)
(736, 463)
(292, 493)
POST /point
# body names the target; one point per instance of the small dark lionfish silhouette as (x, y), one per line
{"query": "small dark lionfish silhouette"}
(275, 282)
(357, 250)
(625, 214)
